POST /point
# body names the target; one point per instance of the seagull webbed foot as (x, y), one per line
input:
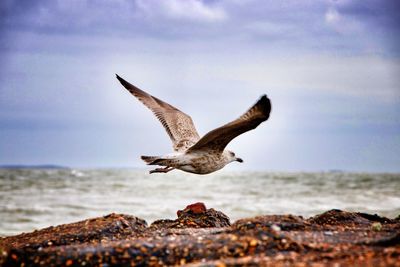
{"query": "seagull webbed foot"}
(161, 170)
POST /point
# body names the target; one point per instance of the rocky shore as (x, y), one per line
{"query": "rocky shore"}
(206, 237)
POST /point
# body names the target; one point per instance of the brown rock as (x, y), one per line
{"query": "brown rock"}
(339, 217)
(194, 216)
(110, 227)
(196, 208)
(284, 222)
(204, 237)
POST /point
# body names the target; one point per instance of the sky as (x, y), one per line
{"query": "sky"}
(330, 68)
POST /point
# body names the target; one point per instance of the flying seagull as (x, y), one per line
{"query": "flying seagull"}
(192, 153)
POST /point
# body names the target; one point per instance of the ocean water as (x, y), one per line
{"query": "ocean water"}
(35, 198)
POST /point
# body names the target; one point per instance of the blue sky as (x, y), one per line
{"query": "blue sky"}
(331, 69)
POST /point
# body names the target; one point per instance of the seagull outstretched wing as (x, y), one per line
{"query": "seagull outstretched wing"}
(219, 138)
(178, 125)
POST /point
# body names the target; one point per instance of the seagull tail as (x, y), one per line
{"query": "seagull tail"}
(155, 160)
(150, 160)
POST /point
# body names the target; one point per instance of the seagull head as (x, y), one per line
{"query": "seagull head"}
(234, 158)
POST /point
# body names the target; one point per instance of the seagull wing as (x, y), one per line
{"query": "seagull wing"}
(178, 125)
(219, 138)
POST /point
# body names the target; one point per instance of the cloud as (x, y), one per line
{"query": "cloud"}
(303, 25)
(186, 10)
(344, 22)
(332, 16)
(375, 23)
(127, 17)
(353, 76)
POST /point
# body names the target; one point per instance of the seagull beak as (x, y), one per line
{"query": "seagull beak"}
(239, 160)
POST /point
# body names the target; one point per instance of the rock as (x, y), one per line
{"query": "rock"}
(195, 216)
(204, 237)
(284, 222)
(375, 218)
(196, 208)
(339, 217)
(393, 240)
(109, 227)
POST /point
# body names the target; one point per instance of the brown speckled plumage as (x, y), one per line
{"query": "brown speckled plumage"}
(192, 153)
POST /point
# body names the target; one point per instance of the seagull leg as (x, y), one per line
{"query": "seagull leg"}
(163, 170)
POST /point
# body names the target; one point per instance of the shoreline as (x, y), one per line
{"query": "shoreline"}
(206, 237)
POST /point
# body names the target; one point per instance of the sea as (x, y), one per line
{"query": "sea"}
(36, 198)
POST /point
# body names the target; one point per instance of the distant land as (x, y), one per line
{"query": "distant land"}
(44, 166)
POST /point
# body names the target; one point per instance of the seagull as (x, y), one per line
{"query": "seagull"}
(192, 153)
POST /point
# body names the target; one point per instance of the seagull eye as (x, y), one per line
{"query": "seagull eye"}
(233, 154)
